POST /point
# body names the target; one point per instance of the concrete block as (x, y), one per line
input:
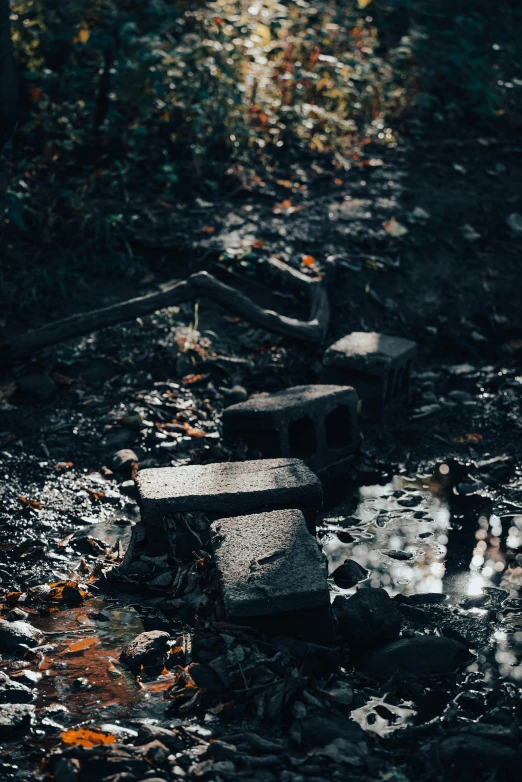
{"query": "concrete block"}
(272, 574)
(376, 365)
(315, 423)
(225, 489)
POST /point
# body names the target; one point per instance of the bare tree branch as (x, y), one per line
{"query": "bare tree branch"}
(200, 284)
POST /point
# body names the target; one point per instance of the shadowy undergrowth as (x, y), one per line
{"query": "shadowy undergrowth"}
(133, 107)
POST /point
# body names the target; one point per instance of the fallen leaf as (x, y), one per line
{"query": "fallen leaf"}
(33, 504)
(80, 646)
(258, 243)
(472, 437)
(83, 35)
(84, 737)
(62, 466)
(308, 260)
(208, 229)
(190, 380)
(394, 228)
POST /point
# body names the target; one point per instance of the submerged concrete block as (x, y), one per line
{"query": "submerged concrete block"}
(272, 574)
(376, 365)
(315, 423)
(225, 489)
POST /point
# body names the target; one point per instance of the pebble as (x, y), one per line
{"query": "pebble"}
(349, 574)
(14, 692)
(368, 617)
(123, 460)
(146, 649)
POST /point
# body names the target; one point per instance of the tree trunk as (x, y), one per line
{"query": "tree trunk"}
(9, 86)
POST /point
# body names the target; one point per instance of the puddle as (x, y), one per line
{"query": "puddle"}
(81, 668)
(412, 538)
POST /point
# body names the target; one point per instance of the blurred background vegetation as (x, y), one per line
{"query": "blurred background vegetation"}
(125, 104)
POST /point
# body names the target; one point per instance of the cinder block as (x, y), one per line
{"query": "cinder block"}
(272, 574)
(376, 365)
(315, 423)
(225, 489)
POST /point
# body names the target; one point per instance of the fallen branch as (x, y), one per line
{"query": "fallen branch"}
(199, 284)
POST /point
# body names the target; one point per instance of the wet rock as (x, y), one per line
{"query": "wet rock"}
(12, 634)
(475, 750)
(422, 655)
(15, 718)
(204, 676)
(368, 617)
(155, 752)
(37, 388)
(124, 460)
(422, 598)
(235, 395)
(26, 676)
(147, 649)
(14, 692)
(221, 750)
(321, 729)
(66, 770)
(169, 738)
(349, 574)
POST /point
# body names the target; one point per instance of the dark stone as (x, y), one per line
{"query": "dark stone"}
(147, 649)
(422, 655)
(155, 752)
(204, 676)
(14, 692)
(221, 750)
(169, 738)
(124, 460)
(422, 598)
(15, 718)
(366, 618)
(12, 634)
(349, 574)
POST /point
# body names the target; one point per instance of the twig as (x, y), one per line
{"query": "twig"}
(199, 284)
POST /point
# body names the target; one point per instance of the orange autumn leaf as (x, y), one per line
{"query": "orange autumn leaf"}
(189, 380)
(471, 437)
(308, 260)
(258, 243)
(33, 504)
(35, 94)
(208, 229)
(84, 737)
(80, 646)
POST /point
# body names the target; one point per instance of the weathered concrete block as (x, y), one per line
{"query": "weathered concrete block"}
(272, 573)
(376, 365)
(226, 489)
(315, 423)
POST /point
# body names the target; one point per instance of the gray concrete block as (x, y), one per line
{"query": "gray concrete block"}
(316, 423)
(272, 573)
(225, 489)
(376, 365)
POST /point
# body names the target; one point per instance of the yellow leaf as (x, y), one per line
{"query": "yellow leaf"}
(84, 737)
(83, 35)
(363, 3)
(263, 32)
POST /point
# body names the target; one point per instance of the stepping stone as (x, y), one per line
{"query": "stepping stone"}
(315, 423)
(376, 365)
(225, 489)
(272, 574)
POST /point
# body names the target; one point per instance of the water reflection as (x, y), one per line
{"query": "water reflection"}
(414, 541)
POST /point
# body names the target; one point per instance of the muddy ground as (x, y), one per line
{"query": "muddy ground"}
(426, 241)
